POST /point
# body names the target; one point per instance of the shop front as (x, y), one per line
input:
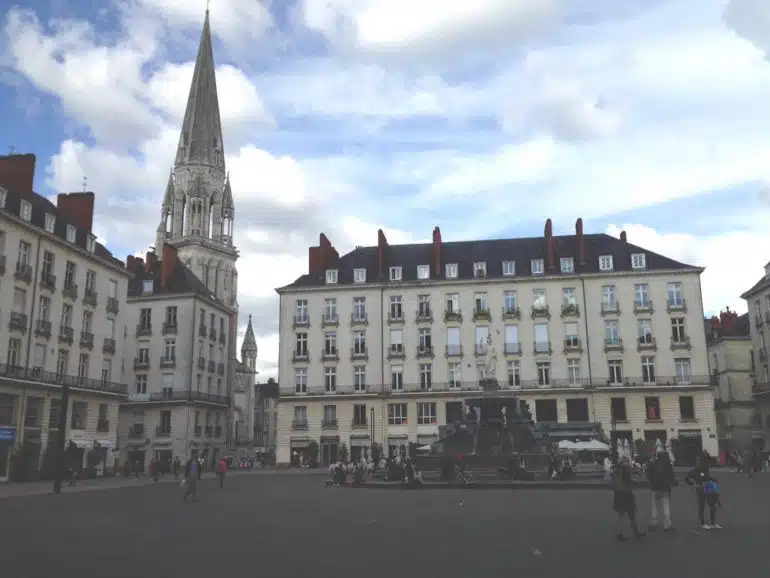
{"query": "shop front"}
(359, 447)
(299, 448)
(7, 439)
(689, 447)
(330, 446)
(398, 446)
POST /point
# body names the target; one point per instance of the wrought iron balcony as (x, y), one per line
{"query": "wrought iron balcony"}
(202, 363)
(90, 297)
(396, 316)
(573, 345)
(646, 343)
(481, 314)
(23, 272)
(613, 344)
(136, 431)
(301, 321)
(168, 362)
(643, 306)
(220, 368)
(299, 424)
(424, 314)
(48, 281)
(610, 308)
(43, 328)
(512, 348)
(66, 334)
(329, 423)
(179, 395)
(681, 344)
(511, 313)
(86, 340)
(396, 351)
(213, 334)
(197, 431)
(144, 329)
(677, 305)
(37, 375)
(301, 355)
(455, 315)
(330, 320)
(330, 354)
(18, 321)
(454, 350)
(570, 310)
(222, 337)
(70, 290)
(170, 328)
(360, 318)
(109, 345)
(202, 331)
(141, 363)
(540, 312)
(359, 352)
(542, 348)
(424, 351)
(162, 431)
(112, 305)
(209, 431)
(212, 366)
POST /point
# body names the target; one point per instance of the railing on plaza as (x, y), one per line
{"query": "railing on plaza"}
(178, 395)
(59, 379)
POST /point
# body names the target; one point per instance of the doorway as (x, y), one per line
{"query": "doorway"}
(329, 452)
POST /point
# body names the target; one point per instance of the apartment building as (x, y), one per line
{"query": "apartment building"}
(244, 394)
(178, 355)
(62, 320)
(758, 300)
(728, 338)
(383, 343)
(266, 417)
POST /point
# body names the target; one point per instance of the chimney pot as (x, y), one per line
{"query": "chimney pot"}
(549, 244)
(580, 241)
(382, 244)
(623, 237)
(437, 243)
(169, 260)
(17, 173)
(77, 208)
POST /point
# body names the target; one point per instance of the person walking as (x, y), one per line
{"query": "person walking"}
(698, 477)
(221, 471)
(191, 479)
(624, 501)
(660, 474)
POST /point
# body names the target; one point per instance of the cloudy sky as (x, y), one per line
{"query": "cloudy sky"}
(343, 116)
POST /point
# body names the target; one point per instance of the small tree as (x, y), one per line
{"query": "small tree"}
(312, 453)
(342, 451)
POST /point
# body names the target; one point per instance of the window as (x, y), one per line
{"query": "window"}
(546, 410)
(453, 303)
(567, 265)
(147, 287)
(423, 272)
(571, 335)
(50, 222)
(168, 386)
(648, 369)
(424, 340)
(454, 373)
(482, 333)
(514, 373)
(330, 379)
(301, 345)
(71, 233)
(331, 276)
(426, 376)
(615, 368)
(88, 320)
(300, 415)
(569, 297)
(359, 343)
(509, 268)
(423, 306)
(79, 416)
(686, 407)
(510, 303)
(300, 380)
(359, 415)
(652, 408)
(330, 343)
(49, 262)
(90, 282)
(677, 330)
(359, 308)
(301, 312)
(395, 273)
(106, 370)
(359, 275)
(113, 288)
(480, 269)
(396, 414)
(44, 309)
(169, 350)
(26, 210)
(145, 319)
(512, 339)
(62, 362)
(14, 352)
(542, 339)
(611, 333)
(675, 297)
(3, 197)
(451, 270)
(69, 275)
(481, 371)
(359, 378)
(38, 359)
(397, 378)
(396, 310)
(83, 366)
(682, 367)
(573, 372)
(330, 310)
(144, 355)
(537, 266)
(20, 301)
(543, 373)
(638, 261)
(90, 244)
(24, 249)
(330, 415)
(426, 413)
(644, 331)
(605, 263)
(539, 299)
(171, 315)
(577, 410)
(609, 300)
(396, 341)
(482, 306)
(618, 409)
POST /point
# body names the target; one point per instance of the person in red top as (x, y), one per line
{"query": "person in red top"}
(221, 470)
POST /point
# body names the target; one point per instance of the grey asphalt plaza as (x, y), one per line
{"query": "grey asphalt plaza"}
(291, 526)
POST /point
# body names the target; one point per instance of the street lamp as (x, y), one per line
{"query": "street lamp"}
(613, 440)
(371, 425)
(60, 462)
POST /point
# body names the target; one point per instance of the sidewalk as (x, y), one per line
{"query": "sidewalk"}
(19, 489)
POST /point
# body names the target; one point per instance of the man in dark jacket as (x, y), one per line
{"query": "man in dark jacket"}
(624, 502)
(660, 474)
(698, 477)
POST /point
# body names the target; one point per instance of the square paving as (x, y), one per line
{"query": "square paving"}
(292, 526)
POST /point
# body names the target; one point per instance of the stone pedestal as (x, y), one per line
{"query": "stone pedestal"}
(489, 384)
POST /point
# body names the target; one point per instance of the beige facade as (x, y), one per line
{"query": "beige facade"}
(635, 335)
(758, 300)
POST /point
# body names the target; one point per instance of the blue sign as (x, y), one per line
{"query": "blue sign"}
(7, 434)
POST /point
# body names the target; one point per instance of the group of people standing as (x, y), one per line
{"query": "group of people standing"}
(662, 479)
(193, 473)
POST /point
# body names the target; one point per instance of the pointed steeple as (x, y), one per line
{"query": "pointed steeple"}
(168, 199)
(249, 348)
(227, 197)
(201, 140)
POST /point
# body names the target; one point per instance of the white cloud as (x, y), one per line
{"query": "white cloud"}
(733, 263)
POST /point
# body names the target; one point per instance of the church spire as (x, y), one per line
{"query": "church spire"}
(201, 140)
(249, 347)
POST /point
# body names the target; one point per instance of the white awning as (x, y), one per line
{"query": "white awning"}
(83, 444)
(107, 444)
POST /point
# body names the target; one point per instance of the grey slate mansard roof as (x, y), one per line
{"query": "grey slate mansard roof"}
(493, 252)
(181, 281)
(758, 287)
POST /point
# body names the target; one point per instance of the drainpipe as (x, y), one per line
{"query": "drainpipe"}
(383, 404)
(30, 332)
(588, 348)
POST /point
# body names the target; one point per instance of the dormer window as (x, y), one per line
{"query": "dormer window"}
(147, 287)
(26, 211)
(638, 261)
(90, 243)
(71, 231)
(331, 276)
(3, 196)
(605, 263)
(509, 268)
(567, 265)
(395, 274)
(50, 222)
(451, 270)
(423, 272)
(537, 266)
(359, 275)
(480, 269)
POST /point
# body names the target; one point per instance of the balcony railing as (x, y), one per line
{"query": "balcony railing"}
(359, 352)
(658, 380)
(511, 313)
(169, 328)
(396, 316)
(37, 375)
(109, 345)
(48, 281)
(540, 312)
(360, 318)
(511, 348)
(209, 430)
(424, 351)
(144, 329)
(141, 363)
(23, 272)
(202, 331)
(197, 431)
(453, 315)
(220, 368)
(683, 343)
(424, 315)
(677, 305)
(163, 431)
(643, 306)
(330, 354)
(613, 344)
(222, 337)
(178, 395)
(212, 366)
(18, 321)
(610, 308)
(66, 334)
(570, 310)
(299, 424)
(646, 343)
(213, 334)
(480, 313)
(43, 328)
(330, 320)
(202, 363)
(70, 290)
(329, 423)
(572, 344)
(761, 388)
(90, 297)
(454, 350)
(136, 431)
(542, 348)
(358, 424)
(86, 339)
(301, 321)
(302, 355)
(167, 362)
(112, 305)
(396, 351)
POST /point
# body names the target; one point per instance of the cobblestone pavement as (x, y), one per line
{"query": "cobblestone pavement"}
(292, 526)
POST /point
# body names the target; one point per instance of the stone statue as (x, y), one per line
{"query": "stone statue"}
(490, 358)
(659, 446)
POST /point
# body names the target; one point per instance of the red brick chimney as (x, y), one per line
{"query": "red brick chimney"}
(382, 245)
(130, 263)
(437, 251)
(580, 241)
(77, 208)
(623, 237)
(168, 263)
(17, 173)
(549, 245)
(151, 261)
(320, 257)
